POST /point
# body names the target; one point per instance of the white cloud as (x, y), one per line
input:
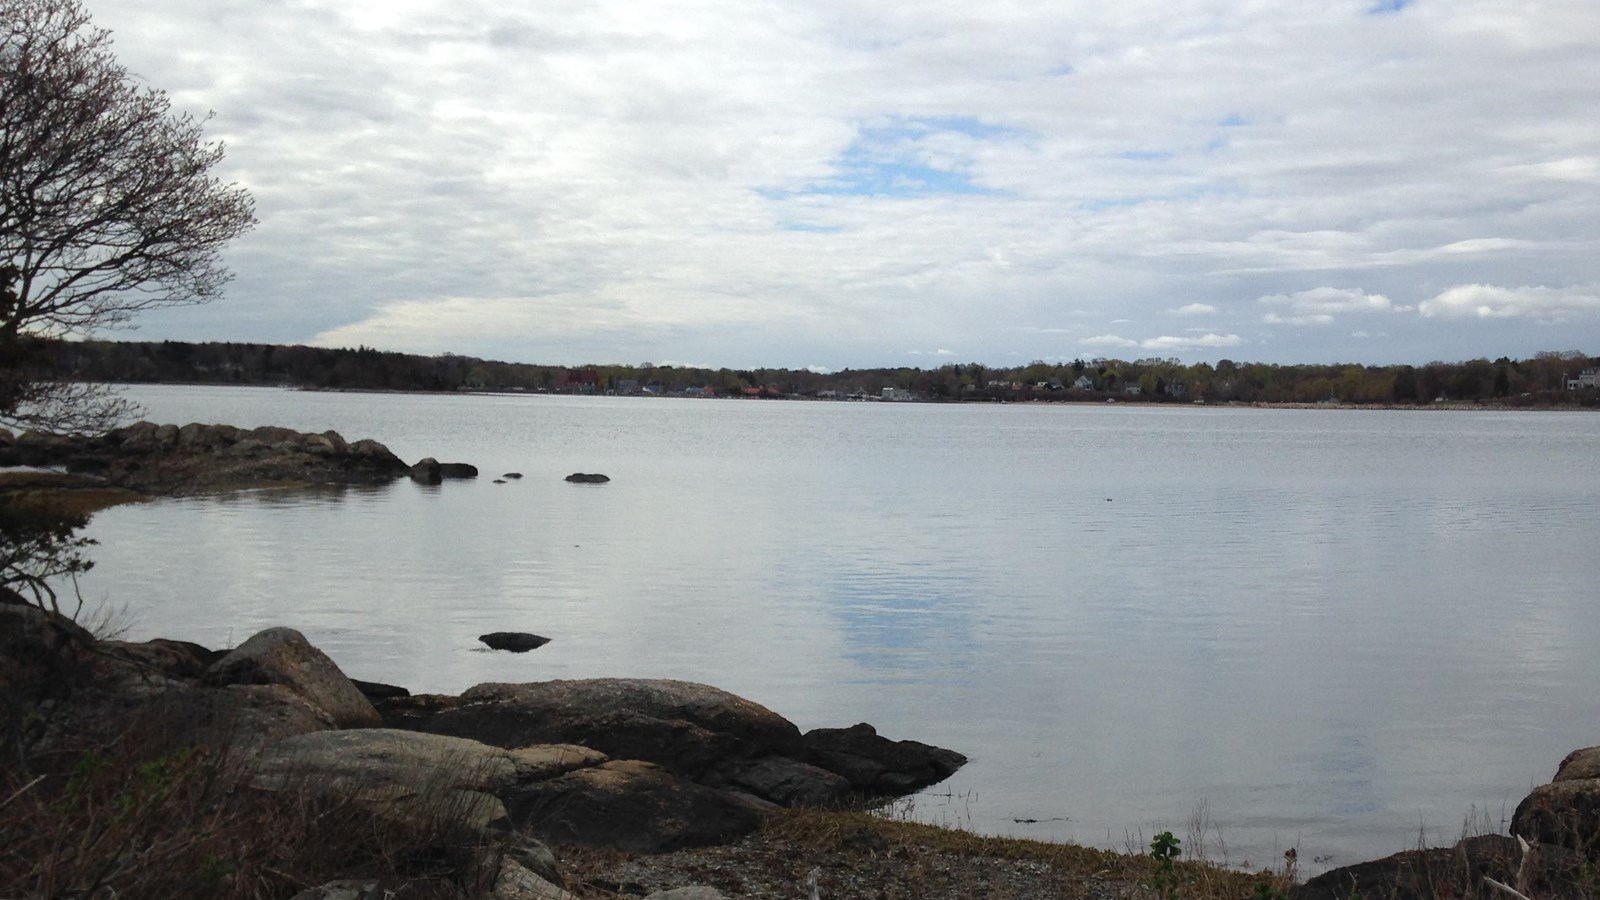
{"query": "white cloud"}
(1107, 340)
(1205, 341)
(1194, 309)
(1319, 306)
(1165, 342)
(1483, 301)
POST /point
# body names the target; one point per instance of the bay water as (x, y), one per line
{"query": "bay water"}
(1332, 630)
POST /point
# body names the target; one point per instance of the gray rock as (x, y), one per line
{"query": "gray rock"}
(457, 470)
(683, 726)
(1579, 765)
(283, 656)
(1563, 814)
(512, 475)
(587, 478)
(427, 471)
(514, 641)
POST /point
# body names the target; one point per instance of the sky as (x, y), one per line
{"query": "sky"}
(837, 183)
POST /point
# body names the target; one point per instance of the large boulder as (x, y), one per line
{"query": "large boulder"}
(634, 806)
(684, 727)
(283, 656)
(513, 641)
(1565, 812)
(398, 773)
(1549, 873)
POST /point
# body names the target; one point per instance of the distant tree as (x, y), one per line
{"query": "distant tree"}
(107, 205)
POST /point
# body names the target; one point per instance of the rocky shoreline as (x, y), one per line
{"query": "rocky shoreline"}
(683, 780)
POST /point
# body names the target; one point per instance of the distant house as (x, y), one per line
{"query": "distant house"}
(1588, 378)
(1177, 390)
(898, 395)
(1083, 383)
(1132, 390)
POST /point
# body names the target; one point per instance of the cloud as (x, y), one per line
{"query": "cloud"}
(1319, 306)
(1165, 343)
(570, 183)
(1483, 301)
(1205, 341)
(1107, 340)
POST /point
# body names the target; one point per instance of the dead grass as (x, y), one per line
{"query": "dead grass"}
(136, 817)
(866, 854)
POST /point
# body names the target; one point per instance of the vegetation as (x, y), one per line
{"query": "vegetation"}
(1541, 380)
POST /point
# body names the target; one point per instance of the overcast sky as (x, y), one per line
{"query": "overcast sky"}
(845, 183)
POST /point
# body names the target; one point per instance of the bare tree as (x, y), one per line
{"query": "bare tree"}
(107, 205)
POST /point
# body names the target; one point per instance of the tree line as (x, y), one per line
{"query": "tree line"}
(1542, 379)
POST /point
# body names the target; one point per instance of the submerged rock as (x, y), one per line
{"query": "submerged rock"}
(587, 478)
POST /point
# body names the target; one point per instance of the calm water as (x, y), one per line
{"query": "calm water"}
(1327, 629)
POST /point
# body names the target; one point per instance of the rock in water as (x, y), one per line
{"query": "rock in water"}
(515, 641)
(587, 478)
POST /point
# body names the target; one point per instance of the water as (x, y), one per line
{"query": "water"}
(1324, 629)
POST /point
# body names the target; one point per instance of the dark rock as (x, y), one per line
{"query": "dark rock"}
(512, 475)
(633, 806)
(499, 481)
(377, 690)
(783, 781)
(877, 765)
(514, 641)
(1579, 764)
(283, 656)
(196, 458)
(587, 478)
(457, 470)
(427, 471)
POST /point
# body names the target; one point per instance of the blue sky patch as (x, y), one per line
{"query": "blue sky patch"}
(1234, 121)
(1147, 155)
(910, 157)
(1384, 7)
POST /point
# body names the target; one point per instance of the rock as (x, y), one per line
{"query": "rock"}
(587, 478)
(685, 727)
(514, 641)
(499, 481)
(534, 856)
(518, 882)
(784, 781)
(427, 471)
(1458, 871)
(198, 458)
(283, 656)
(544, 761)
(377, 690)
(512, 475)
(1579, 764)
(877, 765)
(399, 774)
(457, 470)
(1563, 814)
(636, 807)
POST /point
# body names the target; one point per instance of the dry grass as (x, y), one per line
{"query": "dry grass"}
(871, 855)
(132, 817)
